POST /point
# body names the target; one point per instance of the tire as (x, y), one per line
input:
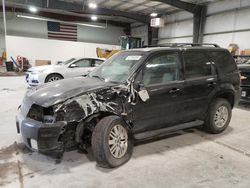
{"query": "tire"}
(53, 77)
(219, 116)
(103, 135)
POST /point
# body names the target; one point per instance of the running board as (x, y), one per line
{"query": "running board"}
(149, 134)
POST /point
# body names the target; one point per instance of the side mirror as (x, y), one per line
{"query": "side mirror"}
(139, 85)
(143, 93)
(72, 66)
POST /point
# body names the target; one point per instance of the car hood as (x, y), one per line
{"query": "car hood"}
(41, 68)
(45, 67)
(55, 92)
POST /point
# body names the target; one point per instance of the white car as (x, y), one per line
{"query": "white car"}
(71, 68)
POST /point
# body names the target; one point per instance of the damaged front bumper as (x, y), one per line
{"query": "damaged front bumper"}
(41, 137)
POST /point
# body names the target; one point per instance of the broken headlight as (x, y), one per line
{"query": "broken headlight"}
(41, 114)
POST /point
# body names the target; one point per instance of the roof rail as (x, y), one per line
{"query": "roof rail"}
(186, 44)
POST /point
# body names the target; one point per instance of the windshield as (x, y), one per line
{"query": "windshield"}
(68, 61)
(119, 67)
(248, 62)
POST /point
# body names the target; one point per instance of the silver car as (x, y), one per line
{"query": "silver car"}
(71, 68)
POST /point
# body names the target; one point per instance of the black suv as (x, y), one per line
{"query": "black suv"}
(134, 95)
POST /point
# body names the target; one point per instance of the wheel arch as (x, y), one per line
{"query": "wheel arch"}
(228, 95)
(92, 120)
(51, 73)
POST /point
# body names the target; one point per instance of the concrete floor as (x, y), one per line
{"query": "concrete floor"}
(187, 159)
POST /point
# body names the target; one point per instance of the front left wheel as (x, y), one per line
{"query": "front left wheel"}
(53, 77)
(112, 142)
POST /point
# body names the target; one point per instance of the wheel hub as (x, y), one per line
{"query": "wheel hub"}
(118, 141)
(221, 116)
(52, 79)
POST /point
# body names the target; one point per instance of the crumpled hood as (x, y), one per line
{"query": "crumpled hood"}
(55, 92)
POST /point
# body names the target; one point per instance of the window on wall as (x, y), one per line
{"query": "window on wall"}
(161, 69)
(196, 65)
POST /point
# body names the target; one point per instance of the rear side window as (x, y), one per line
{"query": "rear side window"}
(223, 61)
(197, 65)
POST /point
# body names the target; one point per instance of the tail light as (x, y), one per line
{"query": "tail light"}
(243, 77)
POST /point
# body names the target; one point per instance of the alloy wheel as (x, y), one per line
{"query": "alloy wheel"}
(118, 141)
(54, 78)
(221, 116)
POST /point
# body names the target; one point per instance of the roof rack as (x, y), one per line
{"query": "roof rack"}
(185, 44)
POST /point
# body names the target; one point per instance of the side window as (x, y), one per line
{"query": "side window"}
(161, 69)
(83, 63)
(98, 62)
(196, 65)
(223, 61)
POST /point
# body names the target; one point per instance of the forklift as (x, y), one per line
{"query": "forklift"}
(126, 43)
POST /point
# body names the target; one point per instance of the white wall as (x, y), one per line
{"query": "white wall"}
(2, 43)
(38, 29)
(2, 46)
(25, 27)
(176, 40)
(110, 35)
(54, 50)
(236, 20)
(29, 38)
(179, 26)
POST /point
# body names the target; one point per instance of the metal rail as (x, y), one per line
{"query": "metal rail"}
(186, 44)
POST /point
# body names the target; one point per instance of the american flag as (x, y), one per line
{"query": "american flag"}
(62, 31)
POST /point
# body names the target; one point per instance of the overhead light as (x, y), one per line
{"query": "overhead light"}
(153, 14)
(33, 9)
(94, 18)
(53, 20)
(32, 17)
(91, 25)
(92, 5)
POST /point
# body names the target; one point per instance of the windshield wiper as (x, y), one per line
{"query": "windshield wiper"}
(96, 76)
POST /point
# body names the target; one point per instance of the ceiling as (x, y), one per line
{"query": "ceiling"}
(144, 7)
(119, 11)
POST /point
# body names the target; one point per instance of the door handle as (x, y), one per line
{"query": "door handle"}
(174, 90)
(210, 84)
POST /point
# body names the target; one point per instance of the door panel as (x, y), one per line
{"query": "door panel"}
(200, 80)
(162, 109)
(161, 79)
(196, 94)
(82, 67)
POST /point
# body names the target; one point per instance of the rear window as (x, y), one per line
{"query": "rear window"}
(223, 61)
(196, 64)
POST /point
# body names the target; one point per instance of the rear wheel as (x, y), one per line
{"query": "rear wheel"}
(112, 142)
(53, 77)
(219, 116)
